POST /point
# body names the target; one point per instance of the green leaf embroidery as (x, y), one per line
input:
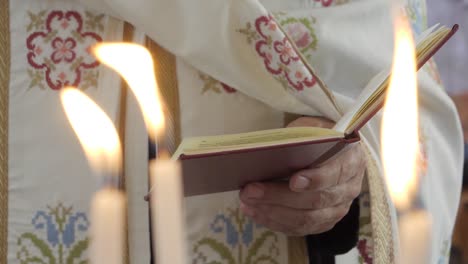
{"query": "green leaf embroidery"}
(39, 244)
(259, 242)
(77, 251)
(218, 247)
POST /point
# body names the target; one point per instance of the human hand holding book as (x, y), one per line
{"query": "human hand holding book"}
(229, 162)
(314, 199)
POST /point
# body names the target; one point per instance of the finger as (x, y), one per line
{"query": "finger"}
(347, 164)
(298, 222)
(279, 194)
(276, 194)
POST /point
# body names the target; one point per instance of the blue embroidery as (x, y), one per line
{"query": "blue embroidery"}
(65, 239)
(232, 236)
(69, 231)
(52, 231)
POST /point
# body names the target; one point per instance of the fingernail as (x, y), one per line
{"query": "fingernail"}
(255, 190)
(301, 182)
(246, 210)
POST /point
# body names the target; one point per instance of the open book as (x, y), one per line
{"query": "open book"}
(228, 162)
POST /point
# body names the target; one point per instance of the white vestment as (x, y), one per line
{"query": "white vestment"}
(240, 43)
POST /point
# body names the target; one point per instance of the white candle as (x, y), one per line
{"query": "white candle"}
(167, 212)
(167, 195)
(100, 142)
(107, 227)
(415, 237)
(400, 127)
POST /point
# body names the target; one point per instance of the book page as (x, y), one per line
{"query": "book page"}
(347, 118)
(373, 96)
(254, 140)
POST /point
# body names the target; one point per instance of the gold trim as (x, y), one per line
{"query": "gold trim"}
(166, 75)
(127, 36)
(297, 250)
(381, 221)
(4, 87)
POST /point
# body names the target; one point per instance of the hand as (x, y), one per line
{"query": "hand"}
(314, 199)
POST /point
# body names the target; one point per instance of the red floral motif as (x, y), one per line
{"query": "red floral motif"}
(364, 250)
(286, 52)
(278, 54)
(227, 88)
(63, 50)
(325, 3)
(301, 31)
(300, 34)
(58, 51)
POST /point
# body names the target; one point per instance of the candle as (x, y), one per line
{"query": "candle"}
(107, 227)
(168, 218)
(167, 196)
(414, 229)
(101, 144)
(400, 148)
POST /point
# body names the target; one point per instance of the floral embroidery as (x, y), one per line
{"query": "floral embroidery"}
(278, 54)
(235, 239)
(365, 244)
(364, 249)
(58, 49)
(211, 84)
(60, 237)
(301, 31)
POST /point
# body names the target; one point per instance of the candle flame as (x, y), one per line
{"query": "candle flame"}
(135, 64)
(94, 129)
(400, 142)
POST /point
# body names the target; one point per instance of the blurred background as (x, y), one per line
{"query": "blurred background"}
(452, 62)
